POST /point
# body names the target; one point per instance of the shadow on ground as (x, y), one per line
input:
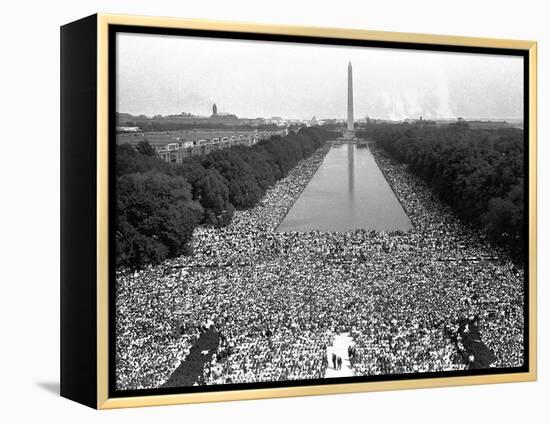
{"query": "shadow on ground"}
(191, 369)
(50, 387)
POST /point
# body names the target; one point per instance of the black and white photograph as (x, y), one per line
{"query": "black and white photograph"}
(279, 212)
(291, 211)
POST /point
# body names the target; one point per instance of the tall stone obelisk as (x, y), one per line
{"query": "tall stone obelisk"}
(350, 101)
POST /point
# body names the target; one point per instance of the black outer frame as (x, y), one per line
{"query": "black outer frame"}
(79, 114)
(78, 311)
(114, 29)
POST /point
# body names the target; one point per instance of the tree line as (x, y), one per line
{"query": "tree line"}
(158, 205)
(479, 173)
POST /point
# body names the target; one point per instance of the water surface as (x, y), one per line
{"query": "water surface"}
(347, 192)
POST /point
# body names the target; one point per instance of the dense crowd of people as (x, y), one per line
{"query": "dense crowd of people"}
(278, 299)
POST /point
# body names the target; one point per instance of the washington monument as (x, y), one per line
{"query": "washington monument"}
(350, 98)
(349, 133)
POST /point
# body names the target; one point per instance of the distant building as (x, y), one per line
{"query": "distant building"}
(171, 122)
(420, 121)
(177, 152)
(478, 124)
(174, 146)
(225, 118)
(127, 129)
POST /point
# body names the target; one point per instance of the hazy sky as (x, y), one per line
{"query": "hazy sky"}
(173, 74)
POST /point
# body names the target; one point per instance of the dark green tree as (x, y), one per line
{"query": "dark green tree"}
(155, 217)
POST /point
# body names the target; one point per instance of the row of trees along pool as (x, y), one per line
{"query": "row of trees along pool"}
(158, 204)
(479, 173)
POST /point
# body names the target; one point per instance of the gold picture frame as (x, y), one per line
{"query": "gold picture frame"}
(102, 22)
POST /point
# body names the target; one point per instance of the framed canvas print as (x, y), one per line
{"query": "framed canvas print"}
(256, 211)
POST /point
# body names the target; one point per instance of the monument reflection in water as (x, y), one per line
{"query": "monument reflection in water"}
(347, 192)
